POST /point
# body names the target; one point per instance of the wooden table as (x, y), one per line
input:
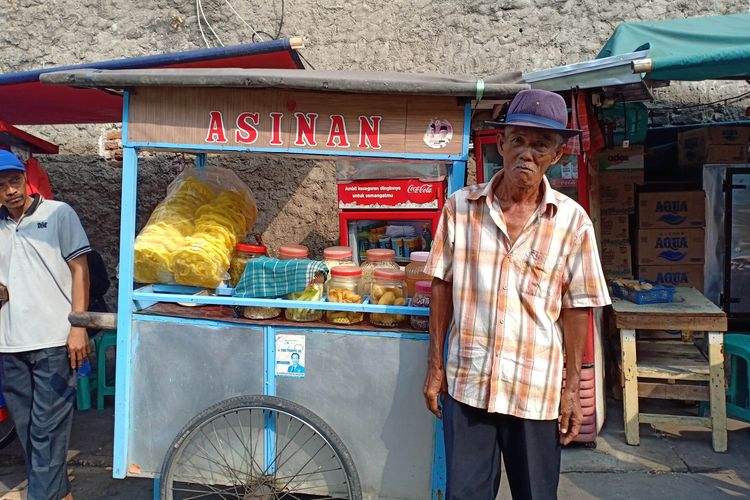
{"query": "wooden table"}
(672, 362)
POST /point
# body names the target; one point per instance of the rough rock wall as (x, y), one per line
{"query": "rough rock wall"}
(297, 198)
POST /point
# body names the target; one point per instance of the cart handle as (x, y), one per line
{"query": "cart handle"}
(101, 321)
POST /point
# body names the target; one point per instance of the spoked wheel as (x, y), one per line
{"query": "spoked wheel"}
(7, 428)
(258, 448)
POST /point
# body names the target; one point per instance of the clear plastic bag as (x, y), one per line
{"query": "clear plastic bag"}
(190, 235)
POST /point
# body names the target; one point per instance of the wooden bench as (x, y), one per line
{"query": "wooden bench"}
(672, 369)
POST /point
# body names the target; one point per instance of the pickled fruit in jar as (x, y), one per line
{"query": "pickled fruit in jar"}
(343, 295)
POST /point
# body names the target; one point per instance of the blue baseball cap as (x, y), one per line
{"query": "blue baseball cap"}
(9, 161)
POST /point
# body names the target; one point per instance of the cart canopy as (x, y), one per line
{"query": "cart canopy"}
(502, 86)
(24, 100)
(698, 48)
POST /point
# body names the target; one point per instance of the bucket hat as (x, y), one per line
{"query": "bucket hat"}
(540, 109)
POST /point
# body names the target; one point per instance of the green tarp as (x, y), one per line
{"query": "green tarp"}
(698, 48)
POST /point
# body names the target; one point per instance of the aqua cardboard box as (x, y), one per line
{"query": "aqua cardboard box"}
(672, 209)
(663, 246)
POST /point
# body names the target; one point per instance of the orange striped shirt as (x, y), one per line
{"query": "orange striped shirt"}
(505, 346)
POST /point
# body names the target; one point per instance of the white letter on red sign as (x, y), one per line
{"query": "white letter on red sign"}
(369, 132)
(216, 131)
(276, 129)
(305, 129)
(246, 133)
(338, 132)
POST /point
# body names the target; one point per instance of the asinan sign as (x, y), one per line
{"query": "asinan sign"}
(246, 127)
(270, 119)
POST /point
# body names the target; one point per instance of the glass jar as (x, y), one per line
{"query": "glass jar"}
(388, 289)
(243, 252)
(343, 287)
(337, 256)
(312, 293)
(422, 297)
(415, 271)
(376, 258)
(291, 251)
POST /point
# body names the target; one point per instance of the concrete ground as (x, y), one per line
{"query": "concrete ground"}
(670, 462)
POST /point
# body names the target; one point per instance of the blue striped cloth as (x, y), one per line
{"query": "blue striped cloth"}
(269, 277)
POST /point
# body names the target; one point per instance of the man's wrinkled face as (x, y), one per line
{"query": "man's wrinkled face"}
(12, 189)
(528, 153)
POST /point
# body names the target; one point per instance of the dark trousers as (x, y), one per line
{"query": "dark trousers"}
(40, 391)
(474, 442)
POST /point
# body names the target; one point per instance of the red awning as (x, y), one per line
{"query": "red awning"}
(24, 100)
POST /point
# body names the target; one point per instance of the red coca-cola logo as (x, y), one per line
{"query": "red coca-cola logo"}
(419, 192)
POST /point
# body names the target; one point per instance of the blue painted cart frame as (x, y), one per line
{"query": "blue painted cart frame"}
(131, 300)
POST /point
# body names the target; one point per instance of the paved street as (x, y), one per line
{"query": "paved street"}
(669, 463)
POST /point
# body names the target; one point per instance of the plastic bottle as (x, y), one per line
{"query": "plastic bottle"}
(426, 237)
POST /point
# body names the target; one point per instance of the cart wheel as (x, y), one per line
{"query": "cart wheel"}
(7, 429)
(258, 448)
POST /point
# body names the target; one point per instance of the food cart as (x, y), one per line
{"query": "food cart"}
(202, 405)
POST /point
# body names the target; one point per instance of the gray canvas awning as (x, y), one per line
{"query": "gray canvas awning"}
(503, 86)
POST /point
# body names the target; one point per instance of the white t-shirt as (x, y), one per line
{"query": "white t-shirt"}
(34, 256)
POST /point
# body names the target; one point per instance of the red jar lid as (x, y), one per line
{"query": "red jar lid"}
(387, 273)
(337, 253)
(381, 254)
(423, 286)
(347, 271)
(419, 256)
(293, 251)
(246, 247)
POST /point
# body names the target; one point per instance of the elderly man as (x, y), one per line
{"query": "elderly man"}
(515, 274)
(43, 264)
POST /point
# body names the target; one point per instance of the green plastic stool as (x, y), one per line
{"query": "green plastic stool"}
(737, 347)
(737, 350)
(105, 340)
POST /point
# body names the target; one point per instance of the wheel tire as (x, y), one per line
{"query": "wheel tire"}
(272, 403)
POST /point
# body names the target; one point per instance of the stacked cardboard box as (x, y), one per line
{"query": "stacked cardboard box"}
(670, 243)
(713, 145)
(620, 169)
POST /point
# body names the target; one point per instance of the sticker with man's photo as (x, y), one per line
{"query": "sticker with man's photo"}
(290, 355)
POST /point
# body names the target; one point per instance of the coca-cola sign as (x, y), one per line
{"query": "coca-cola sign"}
(391, 194)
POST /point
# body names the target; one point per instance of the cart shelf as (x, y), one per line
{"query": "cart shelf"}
(146, 296)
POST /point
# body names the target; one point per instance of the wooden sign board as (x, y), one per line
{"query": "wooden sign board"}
(290, 120)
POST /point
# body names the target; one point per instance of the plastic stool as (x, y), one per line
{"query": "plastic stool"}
(737, 347)
(737, 351)
(105, 340)
(83, 393)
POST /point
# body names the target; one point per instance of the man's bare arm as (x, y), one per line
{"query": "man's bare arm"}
(441, 313)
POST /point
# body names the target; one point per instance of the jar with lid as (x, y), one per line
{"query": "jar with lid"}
(376, 258)
(422, 297)
(243, 252)
(388, 289)
(337, 256)
(343, 287)
(291, 251)
(415, 271)
(312, 293)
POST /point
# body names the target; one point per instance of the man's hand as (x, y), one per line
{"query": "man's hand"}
(435, 384)
(571, 416)
(78, 346)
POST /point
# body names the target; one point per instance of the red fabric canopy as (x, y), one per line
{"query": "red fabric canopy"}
(24, 100)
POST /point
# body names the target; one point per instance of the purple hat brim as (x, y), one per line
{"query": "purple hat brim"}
(565, 132)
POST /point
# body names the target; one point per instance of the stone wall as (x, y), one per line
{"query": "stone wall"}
(297, 198)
